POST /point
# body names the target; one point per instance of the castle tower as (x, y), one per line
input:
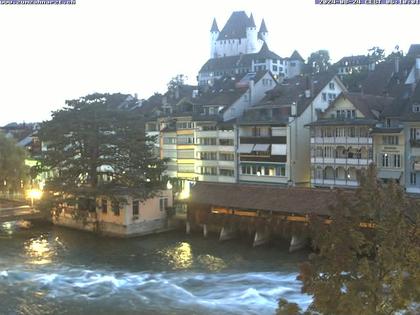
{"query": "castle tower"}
(214, 34)
(251, 36)
(263, 32)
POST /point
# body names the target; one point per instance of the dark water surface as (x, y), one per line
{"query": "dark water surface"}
(52, 270)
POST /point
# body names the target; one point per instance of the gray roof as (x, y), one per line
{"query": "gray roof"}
(414, 50)
(354, 60)
(296, 56)
(214, 27)
(236, 26)
(263, 27)
(293, 90)
(239, 61)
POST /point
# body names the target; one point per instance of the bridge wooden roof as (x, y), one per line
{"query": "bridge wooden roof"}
(265, 197)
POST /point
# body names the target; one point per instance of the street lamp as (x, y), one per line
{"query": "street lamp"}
(34, 194)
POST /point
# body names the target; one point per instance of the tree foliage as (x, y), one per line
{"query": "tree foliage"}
(376, 54)
(12, 165)
(319, 61)
(362, 270)
(96, 148)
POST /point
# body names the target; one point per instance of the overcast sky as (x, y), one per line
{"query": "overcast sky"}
(52, 53)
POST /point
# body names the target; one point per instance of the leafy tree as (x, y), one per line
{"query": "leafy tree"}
(366, 270)
(12, 165)
(376, 54)
(176, 82)
(319, 61)
(96, 148)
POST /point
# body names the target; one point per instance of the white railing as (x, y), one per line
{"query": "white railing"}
(341, 140)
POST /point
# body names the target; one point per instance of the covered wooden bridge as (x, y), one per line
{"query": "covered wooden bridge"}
(258, 204)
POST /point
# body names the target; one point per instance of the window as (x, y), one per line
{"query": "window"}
(385, 160)
(186, 168)
(208, 170)
(169, 140)
(115, 207)
(324, 97)
(281, 170)
(185, 140)
(207, 155)
(226, 141)
(135, 207)
(331, 85)
(275, 68)
(163, 204)
(207, 141)
(413, 133)
(331, 96)
(185, 125)
(227, 172)
(390, 140)
(351, 132)
(413, 179)
(226, 156)
(396, 159)
(416, 108)
(388, 123)
(104, 204)
(353, 113)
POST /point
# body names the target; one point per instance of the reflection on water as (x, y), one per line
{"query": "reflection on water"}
(39, 251)
(179, 256)
(49, 270)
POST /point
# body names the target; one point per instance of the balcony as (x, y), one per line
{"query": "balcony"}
(341, 161)
(334, 182)
(341, 140)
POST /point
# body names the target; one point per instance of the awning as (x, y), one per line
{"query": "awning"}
(261, 147)
(389, 174)
(278, 149)
(245, 148)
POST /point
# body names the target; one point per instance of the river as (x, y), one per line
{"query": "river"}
(52, 270)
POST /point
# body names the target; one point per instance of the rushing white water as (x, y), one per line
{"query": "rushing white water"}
(168, 277)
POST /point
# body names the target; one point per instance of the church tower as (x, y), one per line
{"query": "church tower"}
(214, 34)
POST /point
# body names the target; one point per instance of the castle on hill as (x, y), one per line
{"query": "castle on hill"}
(239, 48)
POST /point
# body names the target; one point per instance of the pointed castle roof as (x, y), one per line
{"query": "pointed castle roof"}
(263, 27)
(236, 26)
(214, 27)
(251, 21)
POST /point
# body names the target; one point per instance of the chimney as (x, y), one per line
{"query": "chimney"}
(293, 109)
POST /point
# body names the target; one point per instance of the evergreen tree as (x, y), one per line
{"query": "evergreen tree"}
(370, 268)
(95, 148)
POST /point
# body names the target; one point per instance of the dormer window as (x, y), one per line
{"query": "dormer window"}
(416, 108)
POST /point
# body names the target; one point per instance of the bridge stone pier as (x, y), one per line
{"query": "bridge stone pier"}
(227, 233)
(297, 242)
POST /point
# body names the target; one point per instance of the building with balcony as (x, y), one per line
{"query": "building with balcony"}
(341, 140)
(272, 138)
